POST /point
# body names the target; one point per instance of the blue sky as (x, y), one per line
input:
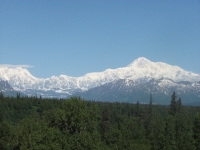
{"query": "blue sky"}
(75, 37)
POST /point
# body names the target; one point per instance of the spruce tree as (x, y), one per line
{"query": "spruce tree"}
(170, 134)
(1, 95)
(196, 130)
(173, 104)
(184, 134)
(149, 118)
(157, 136)
(18, 96)
(150, 105)
(179, 105)
(137, 110)
(105, 125)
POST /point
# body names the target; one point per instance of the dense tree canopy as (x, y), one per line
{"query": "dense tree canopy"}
(40, 123)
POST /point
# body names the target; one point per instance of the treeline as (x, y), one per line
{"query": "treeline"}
(32, 123)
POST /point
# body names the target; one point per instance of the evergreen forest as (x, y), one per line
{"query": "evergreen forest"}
(36, 123)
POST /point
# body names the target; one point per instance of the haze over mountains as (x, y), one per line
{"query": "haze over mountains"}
(140, 73)
(6, 89)
(126, 90)
(4, 86)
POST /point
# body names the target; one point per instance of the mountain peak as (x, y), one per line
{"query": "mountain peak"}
(20, 79)
(140, 62)
(7, 73)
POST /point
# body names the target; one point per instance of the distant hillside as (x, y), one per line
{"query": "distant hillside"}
(6, 89)
(126, 90)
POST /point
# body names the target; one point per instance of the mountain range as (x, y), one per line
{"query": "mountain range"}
(126, 90)
(140, 74)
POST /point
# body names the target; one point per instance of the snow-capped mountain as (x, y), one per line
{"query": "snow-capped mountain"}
(4, 86)
(6, 89)
(21, 79)
(126, 90)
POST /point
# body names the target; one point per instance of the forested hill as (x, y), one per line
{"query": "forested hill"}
(37, 123)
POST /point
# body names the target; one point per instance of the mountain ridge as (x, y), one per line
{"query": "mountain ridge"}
(127, 90)
(22, 80)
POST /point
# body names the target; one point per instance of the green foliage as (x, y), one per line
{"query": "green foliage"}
(157, 136)
(1, 95)
(5, 136)
(47, 124)
(173, 105)
(196, 129)
(170, 134)
(184, 133)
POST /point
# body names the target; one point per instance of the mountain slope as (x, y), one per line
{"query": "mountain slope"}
(6, 89)
(4, 86)
(21, 80)
(126, 90)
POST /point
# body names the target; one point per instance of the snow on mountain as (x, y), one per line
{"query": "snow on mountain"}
(21, 79)
(4, 86)
(127, 90)
(18, 78)
(147, 68)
